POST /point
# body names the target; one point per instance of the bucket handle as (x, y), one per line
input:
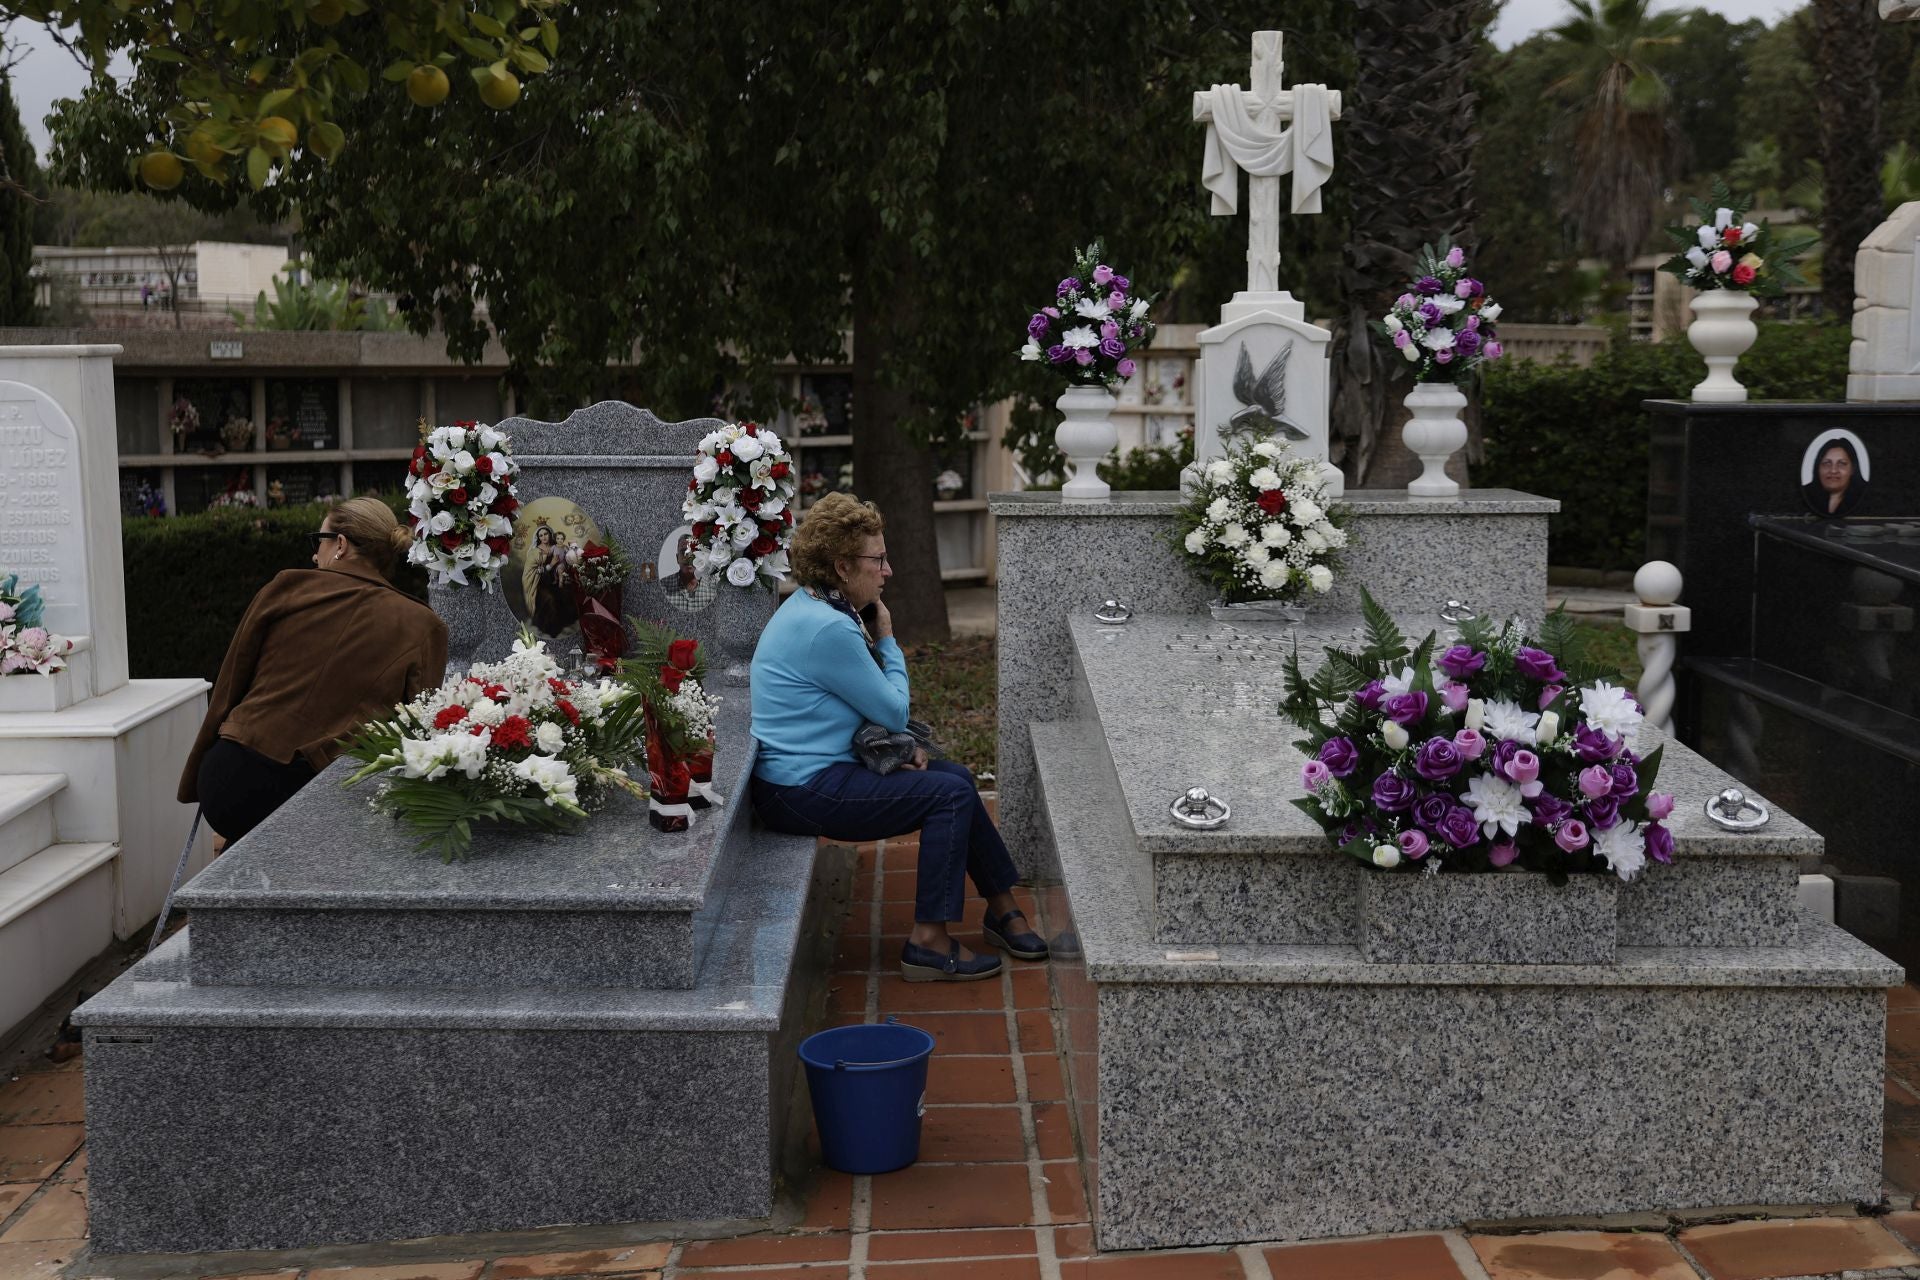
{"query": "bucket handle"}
(841, 1064)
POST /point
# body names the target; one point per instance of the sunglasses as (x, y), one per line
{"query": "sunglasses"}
(318, 539)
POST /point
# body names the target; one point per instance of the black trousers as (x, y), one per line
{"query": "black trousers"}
(239, 787)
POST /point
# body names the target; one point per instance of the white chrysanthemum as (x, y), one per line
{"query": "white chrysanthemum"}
(1275, 575)
(1091, 308)
(1512, 721)
(1438, 339)
(1220, 471)
(1267, 449)
(1612, 710)
(1257, 555)
(550, 737)
(1320, 578)
(1304, 512)
(1276, 534)
(1084, 336)
(1234, 535)
(1624, 848)
(1264, 478)
(1031, 351)
(1218, 510)
(1496, 805)
(486, 711)
(1398, 684)
(1315, 543)
(1196, 542)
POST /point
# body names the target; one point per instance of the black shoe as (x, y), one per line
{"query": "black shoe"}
(924, 964)
(1022, 943)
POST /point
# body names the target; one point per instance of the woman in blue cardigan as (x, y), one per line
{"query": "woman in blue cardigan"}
(820, 673)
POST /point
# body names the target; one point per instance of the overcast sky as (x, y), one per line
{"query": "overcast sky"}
(46, 72)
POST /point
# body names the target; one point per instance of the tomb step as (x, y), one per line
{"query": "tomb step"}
(26, 814)
(56, 914)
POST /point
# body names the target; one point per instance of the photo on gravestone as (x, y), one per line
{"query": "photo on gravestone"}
(684, 591)
(536, 582)
(1833, 474)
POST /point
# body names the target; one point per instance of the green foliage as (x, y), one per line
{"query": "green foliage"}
(1580, 435)
(1776, 271)
(19, 175)
(190, 578)
(955, 690)
(302, 303)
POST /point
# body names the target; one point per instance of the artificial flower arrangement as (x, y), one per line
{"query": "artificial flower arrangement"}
(183, 420)
(233, 498)
(1259, 525)
(597, 576)
(236, 433)
(1094, 321)
(1443, 324)
(740, 505)
(460, 504)
(26, 646)
(668, 674)
(510, 741)
(1722, 250)
(1504, 750)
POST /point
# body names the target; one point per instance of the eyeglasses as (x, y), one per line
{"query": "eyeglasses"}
(882, 557)
(323, 536)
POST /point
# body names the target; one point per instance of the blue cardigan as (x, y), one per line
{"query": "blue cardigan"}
(814, 684)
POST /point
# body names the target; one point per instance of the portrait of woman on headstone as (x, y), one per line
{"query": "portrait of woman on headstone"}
(1833, 475)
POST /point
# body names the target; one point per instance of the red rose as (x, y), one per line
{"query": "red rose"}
(787, 516)
(594, 550)
(513, 732)
(771, 527)
(413, 522)
(751, 428)
(780, 470)
(451, 540)
(567, 709)
(671, 678)
(762, 546)
(683, 654)
(495, 691)
(458, 497)
(1731, 235)
(692, 485)
(1272, 501)
(1743, 274)
(449, 717)
(484, 465)
(751, 499)
(500, 546)
(701, 530)
(724, 457)
(504, 505)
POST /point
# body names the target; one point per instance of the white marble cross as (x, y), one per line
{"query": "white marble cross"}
(1267, 131)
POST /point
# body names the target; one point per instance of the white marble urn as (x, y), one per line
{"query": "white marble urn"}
(1433, 434)
(1721, 331)
(1086, 436)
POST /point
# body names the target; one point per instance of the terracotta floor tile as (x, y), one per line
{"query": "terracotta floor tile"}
(997, 1242)
(1590, 1255)
(896, 917)
(44, 1097)
(847, 993)
(75, 1169)
(749, 1250)
(1030, 985)
(1905, 1224)
(1902, 999)
(903, 885)
(983, 1032)
(1161, 1266)
(59, 1214)
(1392, 1258)
(38, 1260)
(897, 995)
(950, 1196)
(1043, 1078)
(405, 1271)
(29, 1153)
(1797, 1247)
(775, 1273)
(1035, 1027)
(14, 1195)
(977, 1269)
(956, 1079)
(1900, 1159)
(1066, 1194)
(259, 1275)
(971, 1135)
(583, 1262)
(829, 1201)
(1903, 1042)
(1053, 1130)
(1075, 1241)
(854, 953)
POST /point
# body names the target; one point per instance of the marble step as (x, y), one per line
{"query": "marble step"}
(56, 914)
(26, 814)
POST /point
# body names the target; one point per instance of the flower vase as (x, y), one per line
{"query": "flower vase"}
(668, 780)
(1721, 331)
(1433, 434)
(602, 633)
(700, 792)
(1086, 437)
(465, 614)
(740, 615)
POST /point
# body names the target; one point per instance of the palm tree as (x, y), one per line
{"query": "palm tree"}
(1848, 91)
(1621, 137)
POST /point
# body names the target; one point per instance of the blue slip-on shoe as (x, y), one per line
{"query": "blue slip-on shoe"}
(1022, 943)
(924, 964)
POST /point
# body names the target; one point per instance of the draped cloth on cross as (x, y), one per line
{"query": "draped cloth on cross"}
(1235, 141)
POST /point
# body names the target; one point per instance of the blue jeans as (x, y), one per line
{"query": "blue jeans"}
(851, 802)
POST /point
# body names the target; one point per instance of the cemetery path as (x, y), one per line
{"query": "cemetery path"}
(996, 1194)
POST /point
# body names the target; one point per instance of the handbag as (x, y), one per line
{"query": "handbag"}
(883, 750)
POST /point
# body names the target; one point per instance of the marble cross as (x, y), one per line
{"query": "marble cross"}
(1267, 131)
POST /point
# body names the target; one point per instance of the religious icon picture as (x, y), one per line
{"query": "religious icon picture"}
(675, 568)
(1833, 474)
(537, 582)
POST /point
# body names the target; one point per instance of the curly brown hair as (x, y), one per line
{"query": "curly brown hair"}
(836, 528)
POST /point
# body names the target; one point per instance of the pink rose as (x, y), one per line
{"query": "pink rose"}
(1572, 835)
(1503, 854)
(1413, 844)
(1124, 368)
(1313, 775)
(1548, 694)
(1455, 696)
(1659, 806)
(1595, 781)
(1492, 350)
(1469, 744)
(1721, 260)
(1524, 767)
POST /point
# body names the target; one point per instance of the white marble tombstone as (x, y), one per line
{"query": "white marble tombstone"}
(1263, 367)
(1884, 361)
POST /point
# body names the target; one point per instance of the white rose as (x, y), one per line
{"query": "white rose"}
(441, 522)
(1276, 535)
(1411, 352)
(746, 448)
(1265, 478)
(1490, 312)
(1220, 471)
(705, 470)
(463, 462)
(1197, 541)
(550, 737)
(1386, 855)
(1267, 449)
(743, 533)
(1275, 575)
(1218, 510)
(741, 572)
(1234, 535)
(1549, 727)
(1138, 310)
(491, 440)
(1393, 323)
(1320, 578)
(1031, 351)
(1394, 735)
(1476, 714)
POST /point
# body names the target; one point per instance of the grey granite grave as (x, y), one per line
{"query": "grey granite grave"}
(1241, 1068)
(355, 1041)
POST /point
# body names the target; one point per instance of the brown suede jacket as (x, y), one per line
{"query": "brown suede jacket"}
(320, 652)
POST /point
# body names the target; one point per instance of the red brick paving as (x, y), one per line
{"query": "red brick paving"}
(987, 1200)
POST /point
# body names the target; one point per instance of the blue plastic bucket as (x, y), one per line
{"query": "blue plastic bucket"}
(869, 1087)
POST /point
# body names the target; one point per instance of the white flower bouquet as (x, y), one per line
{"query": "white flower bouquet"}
(1260, 525)
(740, 505)
(510, 741)
(461, 502)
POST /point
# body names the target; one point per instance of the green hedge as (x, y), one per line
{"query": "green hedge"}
(1580, 435)
(190, 579)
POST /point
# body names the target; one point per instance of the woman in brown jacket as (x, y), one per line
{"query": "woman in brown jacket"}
(320, 652)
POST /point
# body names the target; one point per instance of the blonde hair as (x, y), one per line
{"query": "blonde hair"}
(372, 528)
(836, 528)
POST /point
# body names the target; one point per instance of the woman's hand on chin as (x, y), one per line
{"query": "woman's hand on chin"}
(882, 620)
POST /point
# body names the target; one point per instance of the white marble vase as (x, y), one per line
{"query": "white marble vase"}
(1086, 437)
(1434, 434)
(1722, 330)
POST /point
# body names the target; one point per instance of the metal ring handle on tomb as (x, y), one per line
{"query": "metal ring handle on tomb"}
(1200, 811)
(1457, 611)
(1727, 808)
(1112, 612)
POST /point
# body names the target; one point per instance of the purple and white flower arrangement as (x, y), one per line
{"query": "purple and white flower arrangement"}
(1443, 324)
(1502, 750)
(1088, 333)
(1722, 249)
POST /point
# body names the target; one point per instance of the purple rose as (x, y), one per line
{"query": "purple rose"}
(1462, 661)
(1494, 351)
(1537, 664)
(1393, 793)
(1456, 257)
(1431, 809)
(1469, 744)
(1340, 756)
(1050, 311)
(1413, 844)
(1548, 692)
(1038, 326)
(1455, 696)
(1116, 300)
(1593, 745)
(1405, 302)
(1068, 285)
(1549, 809)
(1102, 274)
(1122, 283)
(1595, 781)
(1503, 854)
(1603, 812)
(1059, 354)
(1524, 767)
(1459, 829)
(1403, 339)
(1406, 708)
(1659, 805)
(1112, 348)
(1429, 312)
(1314, 775)
(1436, 760)
(1443, 357)
(1083, 356)
(1463, 289)
(1125, 368)
(1659, 842)
(1109, 330)
(1479, 288)
(1370, 694)
(1428, 285)
(1473, 322)
(1467, 340)
(1503, 754)
(1572, 835)
(1626, 783)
